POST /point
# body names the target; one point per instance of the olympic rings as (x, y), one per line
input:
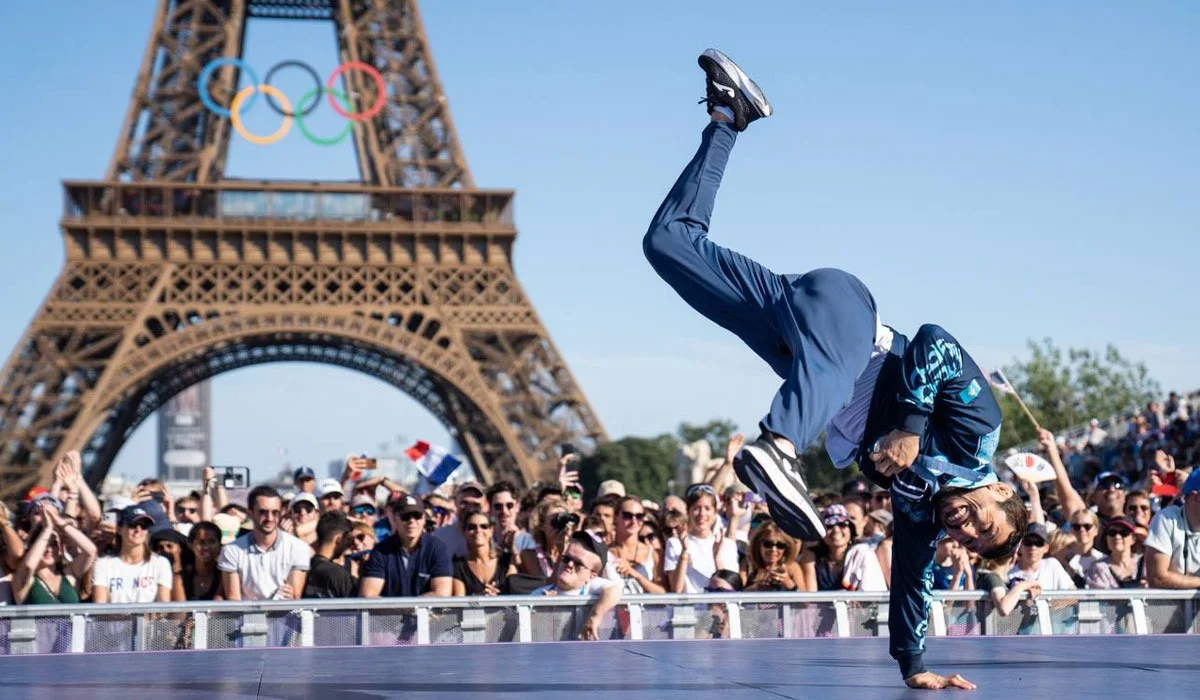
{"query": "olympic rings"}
(246, 96)
(308, 69)
(300, 117)
(380, 91)
(236, 117)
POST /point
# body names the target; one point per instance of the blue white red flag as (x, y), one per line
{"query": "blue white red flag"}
(434, 462)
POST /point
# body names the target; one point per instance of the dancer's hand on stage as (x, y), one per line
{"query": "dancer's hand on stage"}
(896, 452)
(932, 681)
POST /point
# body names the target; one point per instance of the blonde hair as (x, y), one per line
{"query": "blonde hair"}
(1060, 540)
(537, 521)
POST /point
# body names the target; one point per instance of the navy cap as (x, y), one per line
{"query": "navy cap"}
(594, 545)
(303, 473)
(1192, 484)
(133, 514)
(1110, 477)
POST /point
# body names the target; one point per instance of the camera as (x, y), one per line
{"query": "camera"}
(562, 520)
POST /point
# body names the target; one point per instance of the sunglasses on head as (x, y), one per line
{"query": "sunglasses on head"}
(700, 488)
(632, 516)
(774, 544)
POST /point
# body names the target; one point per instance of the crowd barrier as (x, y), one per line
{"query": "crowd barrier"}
(52, 629)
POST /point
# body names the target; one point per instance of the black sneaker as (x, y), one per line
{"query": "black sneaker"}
(779, 479)
(727, 85)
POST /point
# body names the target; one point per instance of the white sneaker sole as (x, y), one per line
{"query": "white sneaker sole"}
(782, 485)
(743, 81)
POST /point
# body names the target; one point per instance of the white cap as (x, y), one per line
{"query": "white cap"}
(308, 498)
(609, 487)
(329, 486)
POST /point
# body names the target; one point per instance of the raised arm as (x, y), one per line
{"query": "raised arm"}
(1070, 499)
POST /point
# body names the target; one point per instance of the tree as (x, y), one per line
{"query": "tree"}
(820, 472)
(643, 465)
(1064, 390)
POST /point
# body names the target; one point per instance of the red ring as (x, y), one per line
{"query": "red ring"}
(369, 70)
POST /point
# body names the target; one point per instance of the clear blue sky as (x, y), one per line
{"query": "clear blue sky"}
(1009, 170)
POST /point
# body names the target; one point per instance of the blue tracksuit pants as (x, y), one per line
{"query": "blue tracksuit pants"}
(816, 330)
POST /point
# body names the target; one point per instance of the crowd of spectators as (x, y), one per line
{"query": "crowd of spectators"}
(1118, 514)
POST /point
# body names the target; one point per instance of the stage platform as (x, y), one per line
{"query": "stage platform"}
(1162, 667)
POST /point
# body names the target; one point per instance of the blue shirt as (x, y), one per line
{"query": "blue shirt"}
(408, 574)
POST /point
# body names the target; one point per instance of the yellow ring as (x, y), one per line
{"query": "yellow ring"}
(237, 120)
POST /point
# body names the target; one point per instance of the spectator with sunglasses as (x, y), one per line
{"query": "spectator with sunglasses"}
(693, 555)
(1139, 510)
(265, 563)
(631, 561)
(363, 539)
(134, 574)
(485, 568)
(187, 513)
(409, 563)
(772, 564)
(469, 494)
(304, 513)
(505, 510)
(1123, 567)
(1085, 526)
(824, 562)
(1108, 498)
(440, 510)
(577, 572)
(1033, 564)
(362, 508)
(44, 575)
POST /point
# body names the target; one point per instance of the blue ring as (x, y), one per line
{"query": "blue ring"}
(202, 83)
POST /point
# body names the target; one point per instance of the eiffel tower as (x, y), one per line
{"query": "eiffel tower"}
(175, 274)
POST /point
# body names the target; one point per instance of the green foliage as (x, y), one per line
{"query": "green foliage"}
(820, 472)
(1065, 389)
(644, 465)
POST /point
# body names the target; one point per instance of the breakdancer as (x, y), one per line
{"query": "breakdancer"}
(916, 414)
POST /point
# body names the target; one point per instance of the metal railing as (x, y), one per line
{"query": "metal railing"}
(406, 621)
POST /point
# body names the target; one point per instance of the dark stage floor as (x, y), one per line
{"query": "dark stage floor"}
(1162, 667)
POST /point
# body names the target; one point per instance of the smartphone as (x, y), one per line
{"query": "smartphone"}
(234, 477)
(569, 449)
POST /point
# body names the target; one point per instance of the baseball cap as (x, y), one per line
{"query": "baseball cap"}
(1037, 530)
(469, 485)
(593, 545)
(228, 524)
(118, 503)
(1120, 524)
(882, 516)
(34, 492)
(48, 498)
(1192, 484)
(303, 473)
(329, 486)
(305, 498)
(1104, 478)
(403, 505)
(610, 486)
(135, 513)
(834, 514)
(363, 499)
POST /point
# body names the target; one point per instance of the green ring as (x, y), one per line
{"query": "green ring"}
(318, 91)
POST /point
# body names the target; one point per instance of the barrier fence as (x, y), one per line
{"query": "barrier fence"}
(53, 629)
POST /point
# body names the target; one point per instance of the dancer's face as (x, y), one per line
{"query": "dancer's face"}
(973, 517)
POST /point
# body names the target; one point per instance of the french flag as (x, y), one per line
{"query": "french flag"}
(434, 463)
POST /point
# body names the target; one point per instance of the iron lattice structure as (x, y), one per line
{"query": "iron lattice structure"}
(174, 274)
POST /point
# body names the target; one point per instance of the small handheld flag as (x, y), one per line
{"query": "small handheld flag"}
(997, 379)
(434, 462)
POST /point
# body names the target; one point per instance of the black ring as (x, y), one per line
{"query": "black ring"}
(316, 79)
